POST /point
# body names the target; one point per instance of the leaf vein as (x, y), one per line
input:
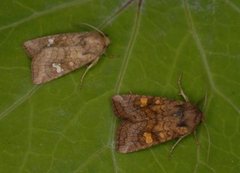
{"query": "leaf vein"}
(204, 57)
(41, 13)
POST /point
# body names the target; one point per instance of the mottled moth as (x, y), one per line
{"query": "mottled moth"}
(149, 120)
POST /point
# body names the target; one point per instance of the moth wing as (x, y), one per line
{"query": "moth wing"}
(127, 107)
(35, 46)
(134, 136)
(144, 134)
(54, 62)
(138, 107)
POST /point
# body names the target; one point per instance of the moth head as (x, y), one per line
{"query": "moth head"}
(106, 40)
(95, 41)
(189, 116)
(98, 33)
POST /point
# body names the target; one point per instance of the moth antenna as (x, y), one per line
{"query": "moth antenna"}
(95, 28)
(174, 146)
(181, 89)
(88, 68)
(205, 101)
(202, 104)
(195, 137)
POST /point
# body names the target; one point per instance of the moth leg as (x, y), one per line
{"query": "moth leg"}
(88, 68)
(174, 146)
(195, 137)
(130, 92)
(205, 101)
(181, 89)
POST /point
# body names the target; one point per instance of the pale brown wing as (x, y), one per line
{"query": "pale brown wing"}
(52, 63)
(35, 46)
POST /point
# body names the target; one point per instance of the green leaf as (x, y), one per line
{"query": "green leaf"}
(59, 127)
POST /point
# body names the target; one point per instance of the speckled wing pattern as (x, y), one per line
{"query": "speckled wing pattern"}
(56, 55)
(148, 120)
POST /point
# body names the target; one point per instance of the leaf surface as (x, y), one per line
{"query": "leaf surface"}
(59, 127)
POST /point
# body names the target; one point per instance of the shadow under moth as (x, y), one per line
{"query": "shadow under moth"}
(149, 120)
(56, 55)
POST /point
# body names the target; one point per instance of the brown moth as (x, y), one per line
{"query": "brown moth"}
(56, 55)
(149, 120)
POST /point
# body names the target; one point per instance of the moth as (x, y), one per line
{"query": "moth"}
(149, 120)
(56, 55)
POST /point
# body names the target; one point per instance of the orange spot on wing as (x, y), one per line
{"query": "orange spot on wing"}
(148, 137)
(143, 101)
